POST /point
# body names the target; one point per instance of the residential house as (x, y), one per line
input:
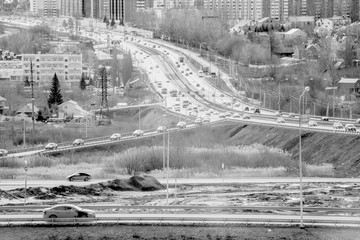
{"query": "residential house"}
(268, 23)
(288, 40)
(2, 105)
(299, 52)
(313, 51)
(340, 20)
(27, 109)
(349, 86)
(242, 27)
(301, 21)
(73, 109)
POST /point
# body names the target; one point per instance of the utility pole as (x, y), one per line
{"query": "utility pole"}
(32, 95)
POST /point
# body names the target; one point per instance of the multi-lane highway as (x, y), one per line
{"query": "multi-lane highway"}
(196, 95)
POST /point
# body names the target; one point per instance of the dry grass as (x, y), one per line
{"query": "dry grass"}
(185, 162)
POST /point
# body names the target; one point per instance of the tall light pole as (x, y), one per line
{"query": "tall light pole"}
(307, 88)
(25, 181)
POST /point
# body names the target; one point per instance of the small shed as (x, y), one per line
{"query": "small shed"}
(349, 85)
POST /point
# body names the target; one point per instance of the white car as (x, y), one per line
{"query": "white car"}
(138, 133)
(206, 120)
(115, 136)
(78, 142)
(338, 125)
(198, 121)
(246, 116)
(50, 146)
(312, 123)
(181, 125)
(280, 120)
(3, 152)
(161, 129)
(236, 115)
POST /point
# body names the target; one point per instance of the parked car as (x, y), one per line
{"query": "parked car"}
(138, 133)
(50, 146)
(312, 123)
(3, 152)
(67, 211)
(78, 142)
(350, 128)
(338, 125)
(280, 120)
(246, 116)
(181, 125)
(115, 136)
(78, 176)
(161, 129)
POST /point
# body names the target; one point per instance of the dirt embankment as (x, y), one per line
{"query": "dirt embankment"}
(135, 183)
(317, 148)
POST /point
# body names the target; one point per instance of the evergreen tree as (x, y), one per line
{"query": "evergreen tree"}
(55, 97)
(82, 82)
(112, 22)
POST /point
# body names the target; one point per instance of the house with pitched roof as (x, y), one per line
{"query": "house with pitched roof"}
(349, 86)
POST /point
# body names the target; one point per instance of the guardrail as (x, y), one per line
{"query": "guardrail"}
(181, 220)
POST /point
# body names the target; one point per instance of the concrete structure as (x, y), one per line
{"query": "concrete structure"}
(68, 67)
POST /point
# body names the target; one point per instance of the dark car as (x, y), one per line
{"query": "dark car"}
(67, 211)
(79, 176)
(257, 111)
(246, 109)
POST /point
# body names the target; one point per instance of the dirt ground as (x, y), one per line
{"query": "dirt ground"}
(176, 233)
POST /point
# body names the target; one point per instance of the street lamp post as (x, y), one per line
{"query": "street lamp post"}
(25, 181)
(307, 88)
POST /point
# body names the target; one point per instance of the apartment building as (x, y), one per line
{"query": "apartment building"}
(48, 8)
(68, 67)
(34, 6)
(73, 8)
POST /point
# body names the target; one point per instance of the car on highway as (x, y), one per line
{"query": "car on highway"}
(338, 125)
(280, 120)
(115, 136)
(78, 142)
(236, 115)
(291, 115)
(67, 211)
(222, 115)
(161, 129)
(79, 176)
(51, 146)
(138, 133)
(206, 120)
(198, 121)
(312, 123)
(325, 119)
(181, 125)
(246, 116)
(3, 152)
(350, 128)
(278, 113)
(257, 110)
